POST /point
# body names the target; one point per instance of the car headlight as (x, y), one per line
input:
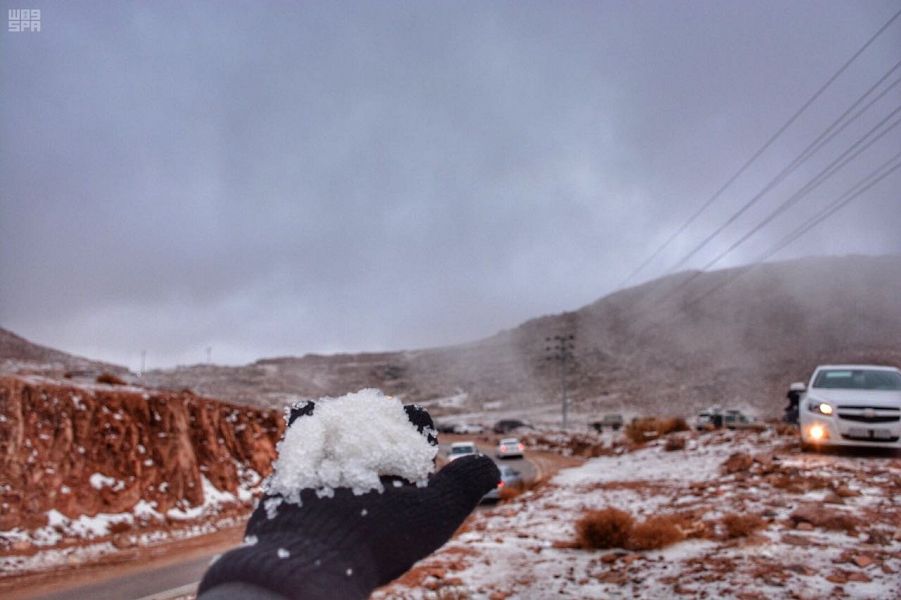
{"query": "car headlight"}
(824, 408)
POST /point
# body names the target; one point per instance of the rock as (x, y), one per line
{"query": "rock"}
(862, 561)
(804, 526)
(858, 577)
(737, 462)
(825, 517)
(148, 445)
(795, 540)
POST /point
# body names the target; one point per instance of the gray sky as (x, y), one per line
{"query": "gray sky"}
(273, 178)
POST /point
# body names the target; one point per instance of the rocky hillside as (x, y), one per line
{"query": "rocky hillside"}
(70, 451)
(18, 355)
(649, 348)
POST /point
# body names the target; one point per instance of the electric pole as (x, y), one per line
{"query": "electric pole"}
(560, 348)
(143, 361)
(209, 354)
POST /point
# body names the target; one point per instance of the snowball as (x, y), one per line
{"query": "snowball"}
(250, 540)
(282, 553)
(350, 442)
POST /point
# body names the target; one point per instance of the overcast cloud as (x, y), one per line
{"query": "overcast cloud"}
(281, 178)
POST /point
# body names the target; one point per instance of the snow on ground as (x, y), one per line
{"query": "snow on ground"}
(831, 526)
(65, 540)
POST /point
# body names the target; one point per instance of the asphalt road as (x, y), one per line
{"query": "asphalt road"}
(163, 582)
(175, 580)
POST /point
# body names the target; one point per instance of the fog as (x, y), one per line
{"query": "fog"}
(274, 179)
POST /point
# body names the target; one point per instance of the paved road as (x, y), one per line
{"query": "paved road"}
(152, 583)
(174, 580)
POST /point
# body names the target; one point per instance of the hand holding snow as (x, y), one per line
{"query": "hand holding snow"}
(350, 442)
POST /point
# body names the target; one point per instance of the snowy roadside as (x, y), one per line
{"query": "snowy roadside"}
(828, 524)
(69, 541)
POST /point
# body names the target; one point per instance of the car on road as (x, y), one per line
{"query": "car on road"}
(851, 405)
(460, 449)
(510, 448)
(510, 479)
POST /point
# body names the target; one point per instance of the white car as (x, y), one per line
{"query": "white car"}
(851, 405)
(510, 448)
(460, 449)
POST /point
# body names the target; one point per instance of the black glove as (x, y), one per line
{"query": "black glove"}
(345, 546)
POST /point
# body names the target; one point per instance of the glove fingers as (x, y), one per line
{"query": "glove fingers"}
(301, 409)
(423, 421)
(466, 480)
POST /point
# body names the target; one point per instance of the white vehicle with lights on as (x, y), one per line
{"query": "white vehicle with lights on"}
(851, 405)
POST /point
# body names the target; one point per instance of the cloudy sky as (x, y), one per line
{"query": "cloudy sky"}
(271, 178)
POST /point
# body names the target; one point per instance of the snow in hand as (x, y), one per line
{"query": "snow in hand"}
(350, 442)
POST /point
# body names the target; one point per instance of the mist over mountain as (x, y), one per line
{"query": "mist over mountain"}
(735, 337)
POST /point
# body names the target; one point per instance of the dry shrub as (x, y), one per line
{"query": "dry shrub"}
(605, 528)
(110, 379)
(642, 429)
(655, 532)
(674, 442)
(509, 492)
(737, 525)
(737, 462)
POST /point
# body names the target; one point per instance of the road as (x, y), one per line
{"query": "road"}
(179, 578)
(170, 581)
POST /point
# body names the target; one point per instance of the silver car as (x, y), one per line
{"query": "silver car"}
(851, 405)
(510, 477)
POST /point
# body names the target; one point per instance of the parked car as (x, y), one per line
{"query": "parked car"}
(851, 405)
(468, 428)
(736, 419)
(712, 417)
(508, 425)
(612, 421)
(510, 478)
(510, 448)
(459, 449)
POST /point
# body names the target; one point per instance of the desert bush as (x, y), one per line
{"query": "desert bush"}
(654, 533)
(737, 525)
(674, 442)
(110, 379)
(605, 528)
(509, 492)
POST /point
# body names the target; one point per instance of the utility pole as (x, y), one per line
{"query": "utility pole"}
(560, 348)
(209, 354)
(143, 361)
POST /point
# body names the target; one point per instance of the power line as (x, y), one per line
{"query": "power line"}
(836, 165)
(853, 193)
(760, 151)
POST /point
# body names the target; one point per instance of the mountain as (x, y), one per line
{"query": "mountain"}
(735, 337)
(18, 355)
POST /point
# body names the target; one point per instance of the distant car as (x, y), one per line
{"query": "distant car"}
(611, 421)
(736, 419)
(508, 425)
(851, 405)
(707, 419)
(510, 448)
(446, 427)
(459, 449)
(468, 428)
(510, 478)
